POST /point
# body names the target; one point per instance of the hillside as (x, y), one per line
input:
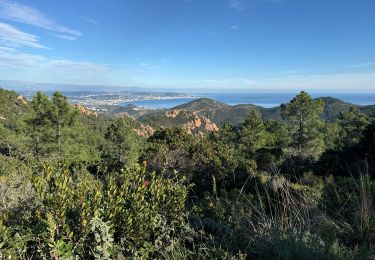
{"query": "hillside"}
(217, 112)
(12, 107)
(220, 113)
(128, 110)
(202, 104)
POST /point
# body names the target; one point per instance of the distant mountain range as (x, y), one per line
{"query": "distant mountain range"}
(19, 85)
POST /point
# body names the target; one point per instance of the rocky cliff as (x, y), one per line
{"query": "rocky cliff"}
(192, 121)
(85, 110)
(144, 131)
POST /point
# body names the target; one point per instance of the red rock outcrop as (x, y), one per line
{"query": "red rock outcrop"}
(209, 125)
(191, 121)
(21, 100)
(197, 121)
(144, 131)
(172, 113)
(85, 110)
(200, 123)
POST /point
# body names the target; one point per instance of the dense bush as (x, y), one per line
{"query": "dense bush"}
(80, 186)
(72, 213)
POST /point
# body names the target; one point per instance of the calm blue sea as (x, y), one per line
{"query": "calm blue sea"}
(266, 99)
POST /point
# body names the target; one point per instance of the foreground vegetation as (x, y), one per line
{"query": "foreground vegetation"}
(78, 186)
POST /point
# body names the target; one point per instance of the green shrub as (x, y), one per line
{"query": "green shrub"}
(130, 213)
(292, 244)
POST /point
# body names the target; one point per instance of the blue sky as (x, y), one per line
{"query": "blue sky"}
(197, 44)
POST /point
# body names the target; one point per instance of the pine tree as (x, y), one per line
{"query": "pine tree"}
(303, 115)
(253, 134)
(121, 149)
(40, 123)
(61, 115)
(228, 134)
(353, 124)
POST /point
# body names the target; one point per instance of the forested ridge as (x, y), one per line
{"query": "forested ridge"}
(296, 186)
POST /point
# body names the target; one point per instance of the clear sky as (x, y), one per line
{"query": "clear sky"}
(198, 44)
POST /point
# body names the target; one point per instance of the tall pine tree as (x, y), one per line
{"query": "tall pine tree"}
(253, 135)
(303, 115)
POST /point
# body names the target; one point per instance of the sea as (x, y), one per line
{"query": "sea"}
(264, 99)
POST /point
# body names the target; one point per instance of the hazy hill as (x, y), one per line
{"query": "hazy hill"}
(333, 107)
(202, 104)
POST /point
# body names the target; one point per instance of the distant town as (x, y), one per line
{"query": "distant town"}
(97, 100)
